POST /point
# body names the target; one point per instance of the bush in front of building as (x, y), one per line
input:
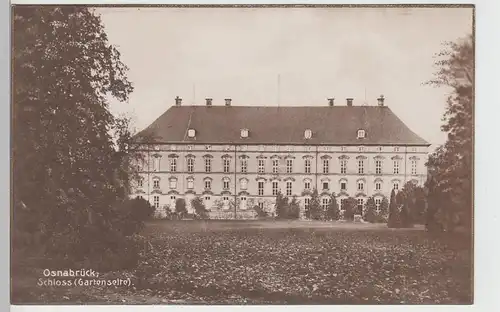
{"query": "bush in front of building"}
(332, 212)
(293, 209)
(370, 213)
(199, 208)
(180, 208)
(349, 207)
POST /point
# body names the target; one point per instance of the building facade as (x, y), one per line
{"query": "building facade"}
(239, 157)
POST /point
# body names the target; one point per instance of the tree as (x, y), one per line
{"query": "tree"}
(349, 206)
(404, 202)
(393, 211)
(180, 207)
(293, 209)
(314, 210)
(199, 207)
(281, 206)
(450, 166)
(67, 167)
(384, 210)
(333, 212)
(370, 213)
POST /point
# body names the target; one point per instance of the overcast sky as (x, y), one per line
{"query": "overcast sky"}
(318, 53)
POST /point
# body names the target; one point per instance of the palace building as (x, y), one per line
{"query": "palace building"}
(239, 157)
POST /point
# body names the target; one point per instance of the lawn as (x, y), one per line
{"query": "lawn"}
(268, 262)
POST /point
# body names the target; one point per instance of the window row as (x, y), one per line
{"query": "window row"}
(325, 202)
(243, 183)
(288, 165)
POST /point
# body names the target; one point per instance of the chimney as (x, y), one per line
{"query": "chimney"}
(228, 102)
(349, 101)
(209, 102)
(381, 100)
(178, 101)
(331, 101)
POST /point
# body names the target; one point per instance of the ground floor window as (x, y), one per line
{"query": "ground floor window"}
(261, 205)
(359, 209)
(307, 201)
(378, 201)
(156, 201)
(324, 203)
(243, 203)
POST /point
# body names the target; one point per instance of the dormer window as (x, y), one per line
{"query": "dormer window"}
(244, 133)
(191, 133)
(361, 134)
(308, 134)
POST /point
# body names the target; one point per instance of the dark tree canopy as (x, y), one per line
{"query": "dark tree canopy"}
(66, 169)
(451, 165)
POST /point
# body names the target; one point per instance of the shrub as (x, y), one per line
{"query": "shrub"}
(199, 208)
(180, 207)
(349, 207)
(333, 212)
(261, 213)
(370, 211)
(293, 209)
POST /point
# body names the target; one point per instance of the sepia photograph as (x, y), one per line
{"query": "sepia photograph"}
(242, 154)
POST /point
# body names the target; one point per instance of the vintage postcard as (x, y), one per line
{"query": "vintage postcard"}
(224, 154)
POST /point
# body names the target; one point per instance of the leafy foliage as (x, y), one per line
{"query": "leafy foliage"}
(314, 210)
(349, 207)
(370, 214)
(180, 207)
(69, 172)
(293, 208)
(333, 211)
(393, 220)
(281, 206)
(199, 207)
(450, 166)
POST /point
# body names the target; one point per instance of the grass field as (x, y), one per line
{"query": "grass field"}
(280, 262)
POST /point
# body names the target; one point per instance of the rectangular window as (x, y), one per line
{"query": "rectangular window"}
(413, 167)
(378, 201)
(139, 182)
(225, 184)
(360, 205)
(326, 166)
(156, 164)
(396, 167)
(208, 165)
(307, 185)
(225, 202)
(307, 166)
(343, 186)
(361, 186)
(208, 184)
(324, 203)
(396, 186)
(378, 186)
(378, 167)
(261, 165)
(243, 203)
(361, 166)
(226, 164)
(260, 186)
(173, 164)
(173, 184)
(275, 165)
(275, 188)
(243, 184)
(307, 201)
(289, 165)
(325, 186)
(243, 165)
(261, 205)
(156, 183)
(156, 201)
(289, 188)
(190, 163)
(343, 166)
(190, 184)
